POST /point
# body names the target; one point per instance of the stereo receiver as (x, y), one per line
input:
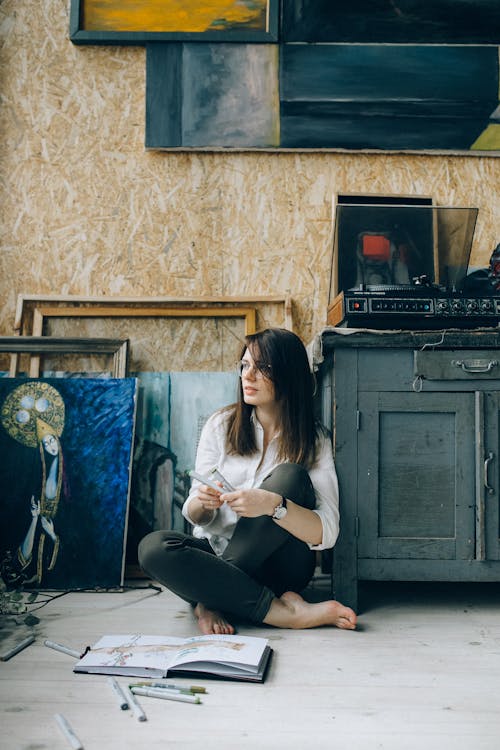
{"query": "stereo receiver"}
(357, 308)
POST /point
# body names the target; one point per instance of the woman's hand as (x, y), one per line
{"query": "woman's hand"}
(252, 503)
(209, 498)
(204, 505)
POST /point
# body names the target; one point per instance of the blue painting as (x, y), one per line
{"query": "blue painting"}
(66, 453)
(172, 409)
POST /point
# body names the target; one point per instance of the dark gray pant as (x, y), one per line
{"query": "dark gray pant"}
(261, 561)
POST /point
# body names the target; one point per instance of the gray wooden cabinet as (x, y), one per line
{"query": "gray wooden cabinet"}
(415, 418)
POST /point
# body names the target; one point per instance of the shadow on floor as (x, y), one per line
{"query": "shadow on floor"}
(376, 594)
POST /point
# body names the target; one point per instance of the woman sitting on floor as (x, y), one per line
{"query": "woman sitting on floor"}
(254, 549)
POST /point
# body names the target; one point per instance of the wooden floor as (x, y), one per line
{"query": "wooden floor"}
(422, 672)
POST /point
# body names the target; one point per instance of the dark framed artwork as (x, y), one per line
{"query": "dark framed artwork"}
(388, 96)
(130, 22)
(389, 22)
(65, 463)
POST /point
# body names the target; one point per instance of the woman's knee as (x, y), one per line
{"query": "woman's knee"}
(157, 543)
(292, 481)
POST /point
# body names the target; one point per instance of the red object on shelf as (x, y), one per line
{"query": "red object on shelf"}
(376, 247)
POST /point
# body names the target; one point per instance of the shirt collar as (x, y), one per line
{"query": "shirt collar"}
(255, 421)
(257, 425)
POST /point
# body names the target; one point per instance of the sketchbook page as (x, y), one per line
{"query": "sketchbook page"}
(231, 650)
(223, 670)
(122, 653)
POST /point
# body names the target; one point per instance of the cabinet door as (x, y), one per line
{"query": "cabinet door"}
(490, 477)
(416, 476)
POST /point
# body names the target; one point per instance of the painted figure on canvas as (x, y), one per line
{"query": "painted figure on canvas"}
(65, 464)
(33, 414)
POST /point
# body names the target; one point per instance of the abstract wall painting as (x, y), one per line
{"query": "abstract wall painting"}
(217, 95)
(391, 97)
(65, 463)
(390, 22)
(107, 21)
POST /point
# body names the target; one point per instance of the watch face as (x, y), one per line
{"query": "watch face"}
(280, 512)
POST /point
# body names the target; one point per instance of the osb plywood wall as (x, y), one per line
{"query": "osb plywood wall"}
(85, 210)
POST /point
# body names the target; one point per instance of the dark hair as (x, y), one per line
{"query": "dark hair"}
(293, 383)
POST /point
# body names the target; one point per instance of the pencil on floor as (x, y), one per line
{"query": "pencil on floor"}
(63, 649)
(173, 688)
(165, 694)
(16, 649)
(136, 706)
(66, 729)
(118, 691)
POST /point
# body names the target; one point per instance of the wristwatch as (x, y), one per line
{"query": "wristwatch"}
(281, 510)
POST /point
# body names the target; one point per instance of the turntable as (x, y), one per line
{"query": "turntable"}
(402, 266)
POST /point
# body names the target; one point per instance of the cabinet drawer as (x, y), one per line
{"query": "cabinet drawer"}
(460, 364)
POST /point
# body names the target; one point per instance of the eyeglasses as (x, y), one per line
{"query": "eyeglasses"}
(262, 370)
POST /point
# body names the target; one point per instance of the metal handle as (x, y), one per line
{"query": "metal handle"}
(487, 461)
(475, 365)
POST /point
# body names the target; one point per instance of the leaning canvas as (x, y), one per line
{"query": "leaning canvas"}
(65, 463)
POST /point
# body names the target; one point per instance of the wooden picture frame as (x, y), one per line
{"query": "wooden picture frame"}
(41, 313)
(135, 23)
(37, 346)
(28, 303)
(249, 308)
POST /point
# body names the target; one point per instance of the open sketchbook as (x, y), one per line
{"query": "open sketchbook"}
(229, 657)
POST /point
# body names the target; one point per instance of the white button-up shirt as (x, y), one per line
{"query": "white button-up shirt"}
(245, 472)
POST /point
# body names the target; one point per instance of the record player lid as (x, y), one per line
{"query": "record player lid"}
(431, 242)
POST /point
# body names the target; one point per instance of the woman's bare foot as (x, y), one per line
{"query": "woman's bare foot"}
(211, 622)
(292, 611)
